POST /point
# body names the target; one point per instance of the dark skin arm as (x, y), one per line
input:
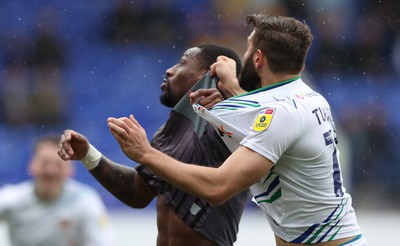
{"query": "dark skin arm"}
(121, 181)
(124, 183)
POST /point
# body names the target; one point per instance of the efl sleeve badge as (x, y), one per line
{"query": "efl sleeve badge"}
(264, 119)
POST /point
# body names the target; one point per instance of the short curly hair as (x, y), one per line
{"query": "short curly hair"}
(210, 52)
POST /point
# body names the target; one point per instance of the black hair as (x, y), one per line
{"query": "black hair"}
(210, 52)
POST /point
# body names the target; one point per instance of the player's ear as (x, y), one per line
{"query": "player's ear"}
(258, 58)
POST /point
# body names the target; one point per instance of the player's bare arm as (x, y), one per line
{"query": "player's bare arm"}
(121, 181)
(215, 185)
(124, 183)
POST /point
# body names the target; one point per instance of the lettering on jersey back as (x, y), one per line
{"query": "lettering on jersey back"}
(322, 115)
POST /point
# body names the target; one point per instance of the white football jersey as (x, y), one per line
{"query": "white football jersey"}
(290, 124)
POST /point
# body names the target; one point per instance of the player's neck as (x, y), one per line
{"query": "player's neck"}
(46, 194)
(276, 78)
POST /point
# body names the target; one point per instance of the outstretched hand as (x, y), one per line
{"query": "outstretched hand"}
(131, 136)
(73, 146)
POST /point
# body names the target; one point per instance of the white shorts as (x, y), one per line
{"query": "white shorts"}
(357, 241)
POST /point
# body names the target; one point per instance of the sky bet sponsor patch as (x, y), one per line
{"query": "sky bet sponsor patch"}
(264, 119)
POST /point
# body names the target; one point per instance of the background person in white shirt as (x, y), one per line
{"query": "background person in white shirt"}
(52, 209)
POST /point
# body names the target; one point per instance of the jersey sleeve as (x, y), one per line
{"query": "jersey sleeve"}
(274, 129)
(96, 228)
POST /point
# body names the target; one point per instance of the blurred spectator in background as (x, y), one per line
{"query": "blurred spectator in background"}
(32, 90)
(373, 156)
(329, 19)
(373, 39)
(352, 37)
(396, 54)
(222, 23)
(145, 22)
(52, 209)
(47, 61)
(15, 85)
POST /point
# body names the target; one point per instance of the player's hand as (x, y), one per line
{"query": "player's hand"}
(206, 97)
(225, 69)
(131, 136)
(73, 146)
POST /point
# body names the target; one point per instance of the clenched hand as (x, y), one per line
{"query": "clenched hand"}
(73, 145)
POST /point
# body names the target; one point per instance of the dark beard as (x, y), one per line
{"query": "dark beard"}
(167, 99)
(249, 79)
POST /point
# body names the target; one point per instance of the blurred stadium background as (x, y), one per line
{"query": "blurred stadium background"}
(72, 64)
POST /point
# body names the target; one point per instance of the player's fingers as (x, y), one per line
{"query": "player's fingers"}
(117, 126)
(60, 154)
(120, 122)
(221, 58)
(69, 135)
(195, 97)
(117, 136)
(63, 154)
(216, 67)
(135, 122)
(131, 124)
(65, 144)
(77, 136)
(212, 69)
(200, 94)
(209, 101)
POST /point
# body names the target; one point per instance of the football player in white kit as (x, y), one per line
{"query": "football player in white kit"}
(53, 209)
(282, 136)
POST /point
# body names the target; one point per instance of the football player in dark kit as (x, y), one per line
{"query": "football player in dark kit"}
(182, 218)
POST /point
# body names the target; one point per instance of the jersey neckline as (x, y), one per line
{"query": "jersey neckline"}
(269, 87)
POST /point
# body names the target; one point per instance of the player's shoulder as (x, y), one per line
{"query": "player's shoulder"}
(16, 192)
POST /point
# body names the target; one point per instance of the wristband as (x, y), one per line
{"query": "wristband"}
(92, 158)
